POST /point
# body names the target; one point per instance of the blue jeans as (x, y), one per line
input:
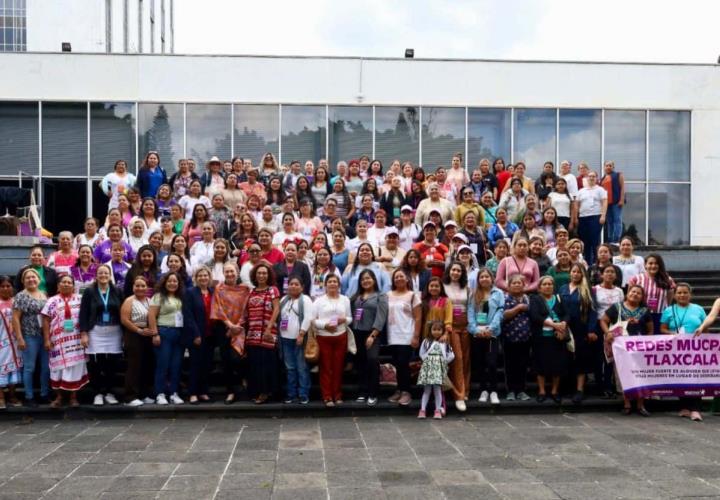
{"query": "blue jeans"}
(613, 223)
(298, 374)
(168, 358)
(589, 229)
(35, 349)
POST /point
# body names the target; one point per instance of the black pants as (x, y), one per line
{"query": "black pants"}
(140, 373)
(102, 369)
(484, 356)
(401, 356)
(201, 358)
(232, 365)
(262, 376)
(367, 365)
(692, 404)
(517, 359)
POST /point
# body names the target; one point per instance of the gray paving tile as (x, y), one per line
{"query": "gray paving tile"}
(299, 494)
(205, 482)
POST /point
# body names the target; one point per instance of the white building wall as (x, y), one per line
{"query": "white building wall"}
(118, 25)
(223, 79)
(80, 22)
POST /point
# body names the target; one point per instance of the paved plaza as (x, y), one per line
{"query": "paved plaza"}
(579, 456)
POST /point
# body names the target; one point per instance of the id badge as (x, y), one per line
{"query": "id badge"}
(474, 247)
(396, 212)
(40, 320)
(481, 318)
(106, 317)
(286, 280)
(458, 311)
(358, 314)
(284, 324)
(652, 303)
(178, 319)
(333, 321)
(68, 325)
(681, 330)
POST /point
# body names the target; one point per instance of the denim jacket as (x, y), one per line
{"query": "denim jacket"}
(496, 304)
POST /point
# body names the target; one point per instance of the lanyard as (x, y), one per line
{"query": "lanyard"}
(679, 324)
(520, 269)
(68, 313)
(105, 298)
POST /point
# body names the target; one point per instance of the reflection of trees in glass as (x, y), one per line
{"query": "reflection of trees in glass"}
(443, 133)
(112, 135)
(400, 139)
(159, 137)
(252, 144)
(349, 139)
(631, 232)
(305, 145)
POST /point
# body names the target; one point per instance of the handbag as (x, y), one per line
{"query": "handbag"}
(312, 348)
(351, 346)
(617, 329)
(570, 342)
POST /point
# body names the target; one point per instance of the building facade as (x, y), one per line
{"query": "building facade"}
(109, 26)
(66, 118)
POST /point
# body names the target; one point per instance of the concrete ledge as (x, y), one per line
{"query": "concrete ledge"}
(316, 409)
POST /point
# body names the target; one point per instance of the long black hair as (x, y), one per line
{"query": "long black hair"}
(662, 278)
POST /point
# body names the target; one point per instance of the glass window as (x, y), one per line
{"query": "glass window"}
(580, 136)
(58, 213)
(256, 131)
(535, 137)
(669, 218)
(488, 135)
(161, 129)
(625, 142)
(634, 212)
(65, 141)
(19, 138)
(350, 133)
(112, 136)
(443, 134)
(303, 133)
(396, 134)
(669, 146)
(208, 132)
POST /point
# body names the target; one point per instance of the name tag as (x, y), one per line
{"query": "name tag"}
(358, 314)
(285, 284)
(458, 311)
(333, 321)
(105, 317)
(474, 247)
(68, 325)
(481, 318)
(396, 212)
(652, 302)
(178, 319)
(284, 323)
(681, 330)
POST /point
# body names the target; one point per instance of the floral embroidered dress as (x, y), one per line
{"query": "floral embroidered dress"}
(10, 359)
(68, 369)
(258, 314)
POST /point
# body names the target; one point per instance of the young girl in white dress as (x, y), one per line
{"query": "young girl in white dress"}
(436, 356)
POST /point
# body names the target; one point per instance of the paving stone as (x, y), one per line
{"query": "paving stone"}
(311, 480)
(353, 479)
(410, 478)
(525, 490)
(138, 483)
(200, 468)
(29, 483)
(350, 493)
(100, 469)
(247, 481)
(457, 477)
(150, 469)
(299, 494)
(467, 492)
(205, 482)
(245, 494)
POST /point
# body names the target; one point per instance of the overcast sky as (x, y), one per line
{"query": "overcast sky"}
(592, 30)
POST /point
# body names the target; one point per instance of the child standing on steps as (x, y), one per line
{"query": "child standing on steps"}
(435, 357)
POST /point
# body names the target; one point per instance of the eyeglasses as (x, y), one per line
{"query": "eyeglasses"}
(253, 250)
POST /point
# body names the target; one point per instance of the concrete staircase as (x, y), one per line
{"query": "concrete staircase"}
(705, 286)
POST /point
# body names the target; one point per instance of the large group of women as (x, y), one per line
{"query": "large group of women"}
(281, 267)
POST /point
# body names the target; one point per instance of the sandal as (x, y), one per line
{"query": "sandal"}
(261, 399)
(194, 400)
(56, 403)
(627, 410)
(229, 399)
(3, 405)
(15, 402)
(204, 398)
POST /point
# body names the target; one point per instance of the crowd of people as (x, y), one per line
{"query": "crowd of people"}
(280, 268)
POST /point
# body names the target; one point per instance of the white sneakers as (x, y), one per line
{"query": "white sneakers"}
(148, 401)
(110, 399)
(460, 405)
(494, 399)
(135, 403)
(175, 399)
(483, 397)
(98, 401)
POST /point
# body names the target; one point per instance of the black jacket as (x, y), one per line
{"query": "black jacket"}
(300, 269)
(91, 307)
(51, 280)
(193, 315)
(386, 203)
(539, 313)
